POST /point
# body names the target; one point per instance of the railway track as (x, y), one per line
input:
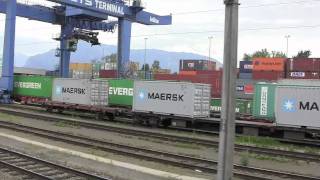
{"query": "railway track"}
(181, 139)
(27, 167)
(185, 161)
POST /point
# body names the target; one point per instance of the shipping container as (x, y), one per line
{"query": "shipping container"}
(80, 66)
(80, 91)
(246, 66)
(33, 86)
(264, 101)
(213, 79)
(298, 106)
(245, 75)
(121, 92)
(169, 77)
(29, 71)
(302, 75)
(268, 75)
(80, 74)
(243, 106)
(188, 72)
(196, 65)
(245, 88)
(172, 98)
(269, 64)
(303, 65)
(108, 74)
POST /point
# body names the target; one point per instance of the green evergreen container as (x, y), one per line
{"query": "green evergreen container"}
(121, 92)
(264, 101)
(33, 86)
(243, 106)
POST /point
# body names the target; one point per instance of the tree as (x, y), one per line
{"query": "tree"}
(278, 54)
(247, 57)
(264, 53)
(147, 67)
(155, 65)
(303, 54)
(112, 58)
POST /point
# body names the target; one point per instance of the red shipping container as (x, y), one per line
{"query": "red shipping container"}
(188, 72)
(214, 81)
(303, 75)
(303, 65)
(108, 73)
(269, 64)
(166, 77)
(268, 75)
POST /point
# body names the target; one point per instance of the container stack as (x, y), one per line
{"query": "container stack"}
(196, 65)
(245, 71)
(268, 69)
(303, 68)
(80, 70)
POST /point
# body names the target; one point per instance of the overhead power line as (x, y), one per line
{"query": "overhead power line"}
(248, 6)
(198, 32)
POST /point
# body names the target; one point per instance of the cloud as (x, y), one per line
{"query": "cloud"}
(266, 16)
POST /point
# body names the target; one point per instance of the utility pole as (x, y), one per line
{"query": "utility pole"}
(287, 37)
(145, 58)
(227, 124)
(210, 42)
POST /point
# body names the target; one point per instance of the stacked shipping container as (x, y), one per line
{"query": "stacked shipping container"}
(270, 69)
(303, 68)
(196, 65)
(245, 71)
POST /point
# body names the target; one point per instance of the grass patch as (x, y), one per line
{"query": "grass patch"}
(244, 159)
(267, 142)
(189, 146)
(258, 141)
(67, 124)
(8, 117)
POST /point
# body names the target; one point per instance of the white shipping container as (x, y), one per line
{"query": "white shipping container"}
(172, 98)
(80, 91)
(298, 106)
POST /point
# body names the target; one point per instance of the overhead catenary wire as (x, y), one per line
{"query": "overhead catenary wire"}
(201, 32)
(248, 6)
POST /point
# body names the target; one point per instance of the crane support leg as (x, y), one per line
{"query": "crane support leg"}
(6, 81)
(124, 37)
(66, 31)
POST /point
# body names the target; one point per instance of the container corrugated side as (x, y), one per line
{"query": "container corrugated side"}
(74, 91)
(80, 91)
(298, 106)
(246, 67)
(245, 75)
(243, 106)
(269, 64)
(33, 86)
(172, 98)
(264, 101)
(121, 92)
(303, 64)
(245, 88)
(99, 92)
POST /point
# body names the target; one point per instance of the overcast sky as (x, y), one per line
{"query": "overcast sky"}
(262, 24)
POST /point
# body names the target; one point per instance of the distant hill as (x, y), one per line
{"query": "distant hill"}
(86, 53)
